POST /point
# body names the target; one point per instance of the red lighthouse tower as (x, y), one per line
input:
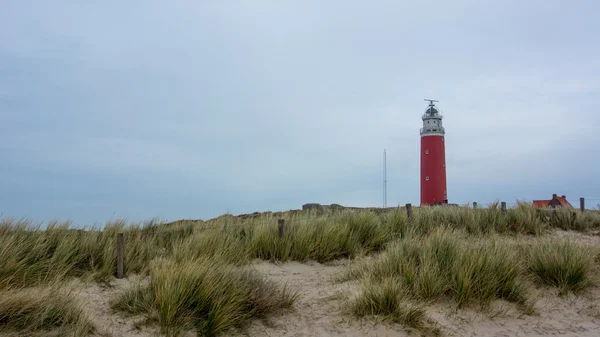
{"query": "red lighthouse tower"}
(433, 157)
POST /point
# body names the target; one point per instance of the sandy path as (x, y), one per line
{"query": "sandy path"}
(317, 311)
(95, 299)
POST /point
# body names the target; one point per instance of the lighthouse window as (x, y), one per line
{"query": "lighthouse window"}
(427, 178)
(426, 151)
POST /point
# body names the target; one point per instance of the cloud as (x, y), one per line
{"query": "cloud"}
(194, 109)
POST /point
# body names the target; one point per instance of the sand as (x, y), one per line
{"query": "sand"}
(95, 299)
(319, 311)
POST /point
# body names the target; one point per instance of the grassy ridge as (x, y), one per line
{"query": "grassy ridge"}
(36, 256)
(197, 277)
(33, 256)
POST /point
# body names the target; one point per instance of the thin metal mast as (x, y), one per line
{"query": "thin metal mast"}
(384, 179)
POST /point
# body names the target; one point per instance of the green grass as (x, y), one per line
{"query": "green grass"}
(49, 309)
(464, 254)
(523, 218)
(467, 269)
(389, 298)
(569, 219)
(449, 263)
(342, 235)
(33, 256)
(205, 295)
(561, 263)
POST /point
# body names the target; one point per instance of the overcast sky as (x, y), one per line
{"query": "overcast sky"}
(178, 109)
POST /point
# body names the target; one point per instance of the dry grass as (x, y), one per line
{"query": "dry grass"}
(467, 269)
(561, 263)
(449, 263)
(205, 295)
(50, 309)
(197, 269)
(390, 299)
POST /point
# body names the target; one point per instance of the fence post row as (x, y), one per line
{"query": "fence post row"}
(281, 227)
(503, 206)
(120, 255)
(409, 210)
(474, 204)
(582, 204)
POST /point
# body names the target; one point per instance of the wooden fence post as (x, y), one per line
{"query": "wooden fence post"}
(474, 204)
(582, 204)
(120, 254)
(281, 226)
(409, 210)
(503, 206)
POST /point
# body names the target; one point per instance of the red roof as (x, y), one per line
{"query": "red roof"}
(541, 203)
(564, 202)
(555, 201)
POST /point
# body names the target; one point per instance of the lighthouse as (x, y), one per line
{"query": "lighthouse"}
(433, 157)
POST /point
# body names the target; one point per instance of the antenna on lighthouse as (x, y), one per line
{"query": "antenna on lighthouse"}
(430, 101)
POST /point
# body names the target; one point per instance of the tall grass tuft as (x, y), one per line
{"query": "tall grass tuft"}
(489, 270)
(34, 256)
(447, 263)
(207, 295)
(43, 309)
(388, 298)
(226, 244)
(561, 263)
(570, 219)
(524, 218)
(345, 234)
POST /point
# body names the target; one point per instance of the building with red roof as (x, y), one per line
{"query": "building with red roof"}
(555, 202)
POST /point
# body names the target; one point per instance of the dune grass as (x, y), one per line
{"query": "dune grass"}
(569, 219)
(34, 256)
(206, 295)
(561, 263)
(389, 299)
(49, 308)
(447, 263)
(467, 269)
(324, 239)
(465, 254)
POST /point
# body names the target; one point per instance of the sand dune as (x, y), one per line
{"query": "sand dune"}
(319, 311)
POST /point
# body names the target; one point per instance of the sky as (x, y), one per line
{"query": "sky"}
(192, 109)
